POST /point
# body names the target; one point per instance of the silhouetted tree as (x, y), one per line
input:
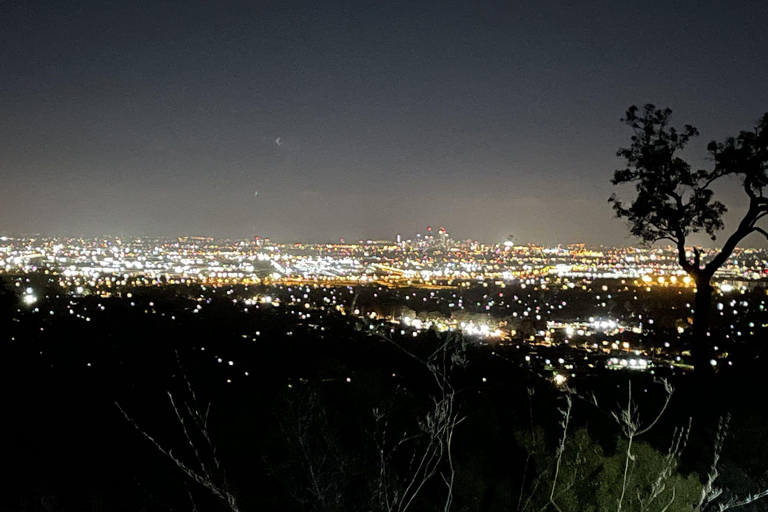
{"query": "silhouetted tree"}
(674, 201)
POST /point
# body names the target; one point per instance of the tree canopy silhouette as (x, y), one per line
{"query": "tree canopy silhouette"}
(674, 201)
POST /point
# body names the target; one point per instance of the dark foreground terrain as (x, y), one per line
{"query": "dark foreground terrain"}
(285, 411)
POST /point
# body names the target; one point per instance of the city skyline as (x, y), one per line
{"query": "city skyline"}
(383, 255)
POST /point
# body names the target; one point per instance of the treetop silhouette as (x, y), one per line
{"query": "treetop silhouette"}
(674, 201)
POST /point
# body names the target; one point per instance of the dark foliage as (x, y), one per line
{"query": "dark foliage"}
(673, 201)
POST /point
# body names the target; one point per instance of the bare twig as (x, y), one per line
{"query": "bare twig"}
(206, 469)
(435, 456)
(566, 414)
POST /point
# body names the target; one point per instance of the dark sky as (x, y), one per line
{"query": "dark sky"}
(355, 120)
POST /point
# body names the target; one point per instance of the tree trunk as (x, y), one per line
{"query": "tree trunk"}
(702, 350)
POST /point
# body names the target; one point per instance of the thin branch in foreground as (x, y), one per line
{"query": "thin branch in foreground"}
(194, 424)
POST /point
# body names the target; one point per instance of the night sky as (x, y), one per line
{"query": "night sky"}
(354, 120)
